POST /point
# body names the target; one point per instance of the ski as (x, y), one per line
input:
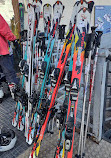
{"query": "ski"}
(34, 16)
(47, 15)
(60, 150)
(62, 115)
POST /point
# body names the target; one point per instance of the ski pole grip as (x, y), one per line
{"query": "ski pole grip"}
(98, 40)
(89, 40)
(100, 33)
(63, 26)
(93, 28)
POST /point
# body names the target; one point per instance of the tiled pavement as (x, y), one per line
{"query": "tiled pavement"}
(22, 150)
(6, 113)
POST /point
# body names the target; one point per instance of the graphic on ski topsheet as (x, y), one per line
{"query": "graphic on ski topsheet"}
(103, 18)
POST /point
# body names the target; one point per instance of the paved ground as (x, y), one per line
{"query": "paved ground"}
(22, 150)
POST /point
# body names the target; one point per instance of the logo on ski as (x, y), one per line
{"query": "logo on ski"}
(70, 35)
(82, 41)
(58, 149)
(55, 29)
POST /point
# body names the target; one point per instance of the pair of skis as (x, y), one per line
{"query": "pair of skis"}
(82, 28)
(34, 16)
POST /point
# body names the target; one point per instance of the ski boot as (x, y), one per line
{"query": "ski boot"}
(14, 89)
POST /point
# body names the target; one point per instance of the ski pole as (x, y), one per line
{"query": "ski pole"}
(91, 86)
(87, 68)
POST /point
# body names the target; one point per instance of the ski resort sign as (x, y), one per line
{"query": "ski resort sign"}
(103, 18)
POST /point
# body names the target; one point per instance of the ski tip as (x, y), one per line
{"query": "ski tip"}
(29, 5)
(76, 3)
(58, 2)
(82, 1)
(37, 1)
(47, 4)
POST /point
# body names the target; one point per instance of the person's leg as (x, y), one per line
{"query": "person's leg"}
(8, 69)
(12, 59)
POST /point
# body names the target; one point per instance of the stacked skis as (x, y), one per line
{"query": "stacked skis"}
(27, 66)
(82, 27)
